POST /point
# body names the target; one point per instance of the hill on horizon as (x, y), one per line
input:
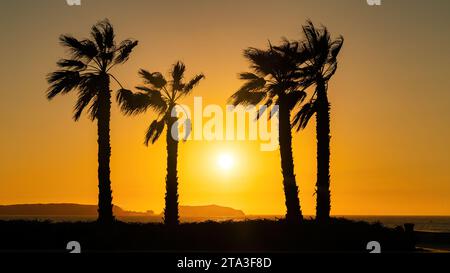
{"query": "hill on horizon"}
(72, 209)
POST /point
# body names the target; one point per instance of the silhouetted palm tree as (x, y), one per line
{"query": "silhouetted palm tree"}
(162, 96)
(88, 71)
(321, 53)
(274, 80)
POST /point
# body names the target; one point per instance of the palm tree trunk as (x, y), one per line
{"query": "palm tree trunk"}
(323, 206)
(105, 213)
(171, 207)
(293, 211)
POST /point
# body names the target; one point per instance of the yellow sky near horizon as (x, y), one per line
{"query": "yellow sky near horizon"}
(390, 105)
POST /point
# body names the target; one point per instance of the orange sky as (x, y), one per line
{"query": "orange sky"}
(390, 105)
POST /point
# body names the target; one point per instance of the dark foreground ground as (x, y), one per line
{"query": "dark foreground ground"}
(339, 235)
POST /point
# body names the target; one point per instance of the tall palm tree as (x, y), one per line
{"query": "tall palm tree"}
(162, 96)
(274, 80)
(88, 71)
(321, 53)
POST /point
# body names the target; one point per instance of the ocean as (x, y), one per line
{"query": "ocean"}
(421, 223)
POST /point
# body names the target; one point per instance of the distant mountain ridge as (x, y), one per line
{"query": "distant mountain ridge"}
(210, 211)
(71, 209)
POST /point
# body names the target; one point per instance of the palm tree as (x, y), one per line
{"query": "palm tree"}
(321, 53)
(274, 80)
(88, 71)
(162, 96)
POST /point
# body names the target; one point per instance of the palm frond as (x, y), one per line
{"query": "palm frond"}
(91, 81)
(303, 116)
(178, 75)
(321, 51)
(277, 71)
(251, 93)
(90, 85)
(79, 49)
(295, 98)
(260, 61)
(154, 131)
(248, 76)
(323, 47)
(132, 103)
(155, 79)
(192, 83)
(62, 82)
(288, 56)
(157, 101)
(71, 64)
(253, 85)
(269, 103)
(135, 103)
(107, 58)
(108, 33)
(124, 51)
(329, 71)
(97, 36)
(103, 34)
(84, 98)
(336, 46)
(245, 98)
(310, 32)
(93, 109)
(146, 89)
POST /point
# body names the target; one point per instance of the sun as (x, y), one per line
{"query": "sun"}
(225, 161)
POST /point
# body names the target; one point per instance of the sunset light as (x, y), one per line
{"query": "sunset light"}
(225, 161)
(250, 127)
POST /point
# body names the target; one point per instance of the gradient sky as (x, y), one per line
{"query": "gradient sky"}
(390, 105)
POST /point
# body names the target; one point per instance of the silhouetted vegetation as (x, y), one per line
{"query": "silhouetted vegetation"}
(88, 71)
(162, 96)
(338, 235)
(321, 63)
(274, 80)
(280, 76)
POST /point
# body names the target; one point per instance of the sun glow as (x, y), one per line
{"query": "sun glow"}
(225, 161)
